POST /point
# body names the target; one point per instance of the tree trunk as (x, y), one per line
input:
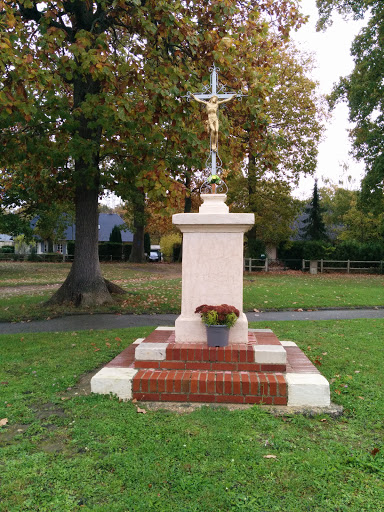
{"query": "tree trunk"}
(188, 195)
(137, 254)
(85, 285)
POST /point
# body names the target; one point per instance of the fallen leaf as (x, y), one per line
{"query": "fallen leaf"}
(300, 310)
(108, 344)
(3, 422)
(325, 353)
(134, 401)
(118, 339)
(361, 398)
(323, 420)
(141, 411)
(270, 456)
(96, 349)
(4, 383)
(65, 398)
(256, 311)
(375, 451)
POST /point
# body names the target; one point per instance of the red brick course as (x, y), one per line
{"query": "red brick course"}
(209, 386)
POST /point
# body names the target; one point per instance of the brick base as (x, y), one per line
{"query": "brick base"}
(164, 371)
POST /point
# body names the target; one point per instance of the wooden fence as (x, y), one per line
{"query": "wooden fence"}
(348, 266)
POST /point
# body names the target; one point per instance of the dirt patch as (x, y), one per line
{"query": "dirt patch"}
(83, 386)
(10, 291)
(169, 270)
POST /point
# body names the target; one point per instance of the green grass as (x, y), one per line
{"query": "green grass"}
(269, 291)
(63, 451)
(156, 288)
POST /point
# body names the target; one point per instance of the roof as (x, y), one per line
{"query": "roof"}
(107, 221)
(5, 238)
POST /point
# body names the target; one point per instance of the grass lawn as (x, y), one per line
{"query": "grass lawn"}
(156, 288)
(65, 450)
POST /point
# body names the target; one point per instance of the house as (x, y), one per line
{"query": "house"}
(107, 221)
(6, 240)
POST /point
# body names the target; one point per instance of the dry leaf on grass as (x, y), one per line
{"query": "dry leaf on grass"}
(270, 456)
(141, 411)
(3, 422)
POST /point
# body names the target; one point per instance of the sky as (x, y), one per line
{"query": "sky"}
(331, 50)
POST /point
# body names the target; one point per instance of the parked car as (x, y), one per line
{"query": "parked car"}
(154, 256)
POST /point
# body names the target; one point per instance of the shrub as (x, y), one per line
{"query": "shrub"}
(115, 235)
(255, 248)
(108, 250)
(167, 244)
(218, 315)
(7, 249)
(127, 251)
(317, 250)
(71, 247)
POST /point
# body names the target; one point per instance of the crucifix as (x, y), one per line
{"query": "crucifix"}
(215, 95)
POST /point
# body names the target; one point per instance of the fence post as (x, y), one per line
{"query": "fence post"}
(250, 265)
(321, 266)
(303, 264)
(348, 266)
(266, 264)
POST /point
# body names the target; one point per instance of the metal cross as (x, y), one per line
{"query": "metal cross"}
(215, 95)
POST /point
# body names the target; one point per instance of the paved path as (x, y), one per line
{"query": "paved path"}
(97, 322)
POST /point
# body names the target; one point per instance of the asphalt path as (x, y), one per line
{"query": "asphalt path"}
(108, 321)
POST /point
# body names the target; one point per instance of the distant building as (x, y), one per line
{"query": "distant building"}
(6, 240)
(107, 221)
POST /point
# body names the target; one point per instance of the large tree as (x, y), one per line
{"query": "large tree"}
(90, 98)
(278, 127)
(363, 89)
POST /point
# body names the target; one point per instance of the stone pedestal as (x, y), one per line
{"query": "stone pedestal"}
(212, 271)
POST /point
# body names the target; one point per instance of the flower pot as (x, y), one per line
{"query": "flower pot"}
(217, 335)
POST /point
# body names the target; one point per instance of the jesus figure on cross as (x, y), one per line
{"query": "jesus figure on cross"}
(213, 120)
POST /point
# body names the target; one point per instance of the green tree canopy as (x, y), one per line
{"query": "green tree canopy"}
(363, 89)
